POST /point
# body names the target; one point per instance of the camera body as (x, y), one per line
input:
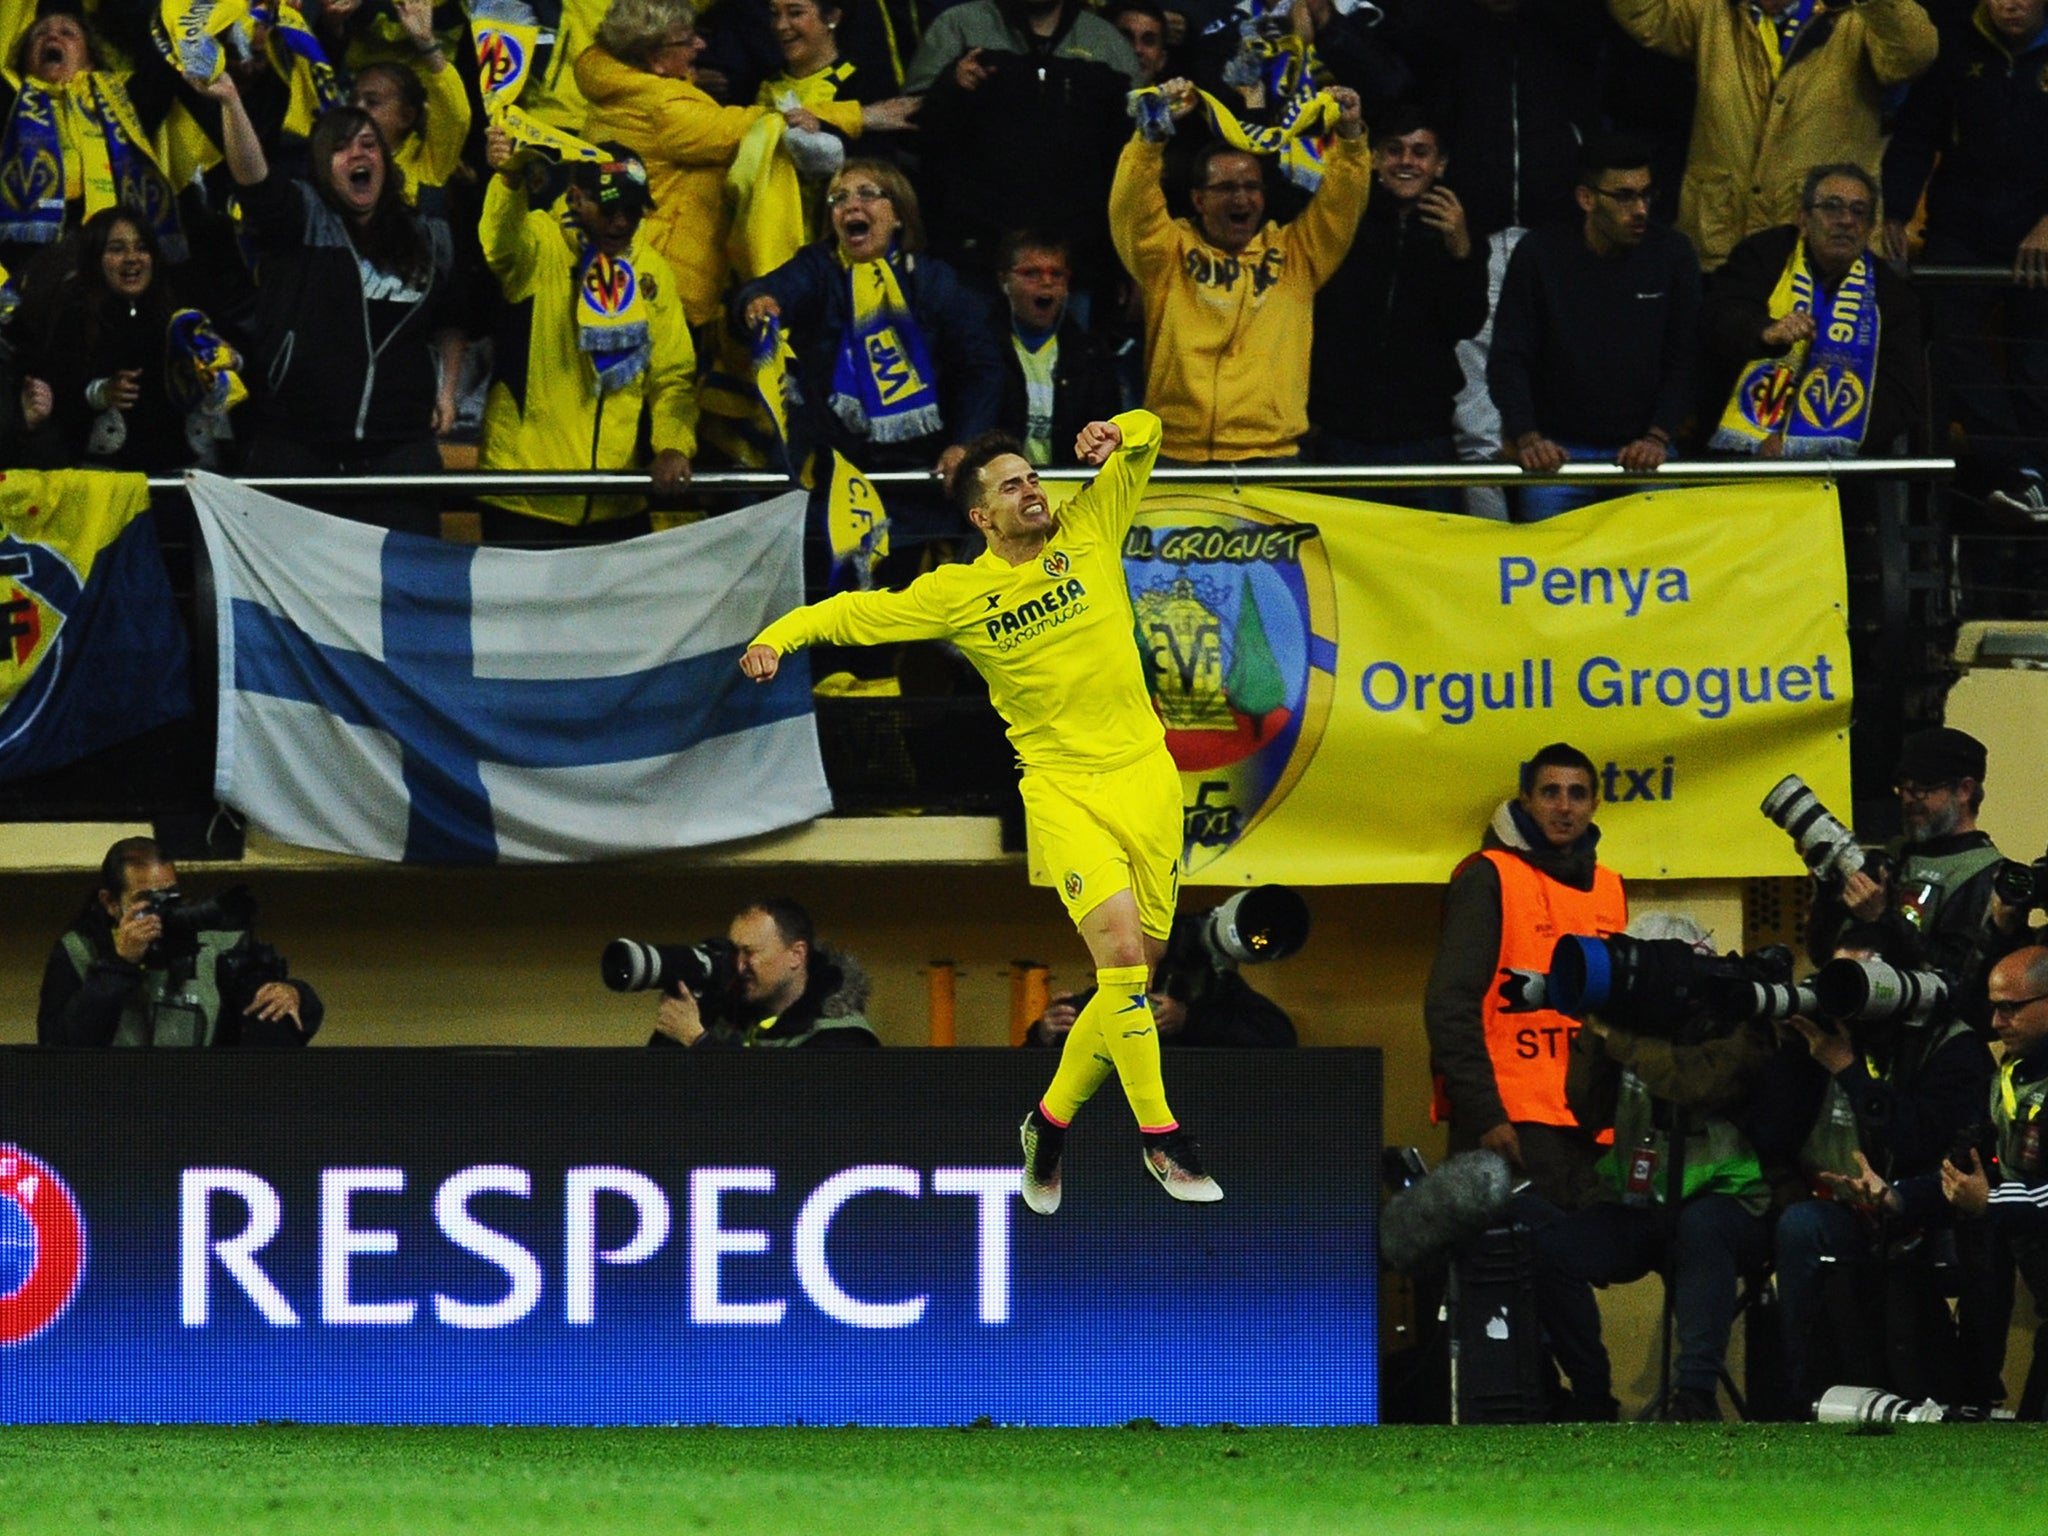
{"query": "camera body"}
(707, 968)
(2023, 886)
(184, 920)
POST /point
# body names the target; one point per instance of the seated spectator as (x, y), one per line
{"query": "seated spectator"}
(1820, 338)
(594, 337)
(640, 80)
(124, 384)
(789, 992)
(1057, 377)
(1229, 295)
(1783, 85)
(420, 105)
(1595, 337)
(1976, 122)
(349, 389)
(1023, 113)
(141, 967)
(895, 360)
(79, 136)
(1384, 373)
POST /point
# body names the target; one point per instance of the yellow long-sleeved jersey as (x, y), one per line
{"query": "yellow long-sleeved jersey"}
(1053, 636)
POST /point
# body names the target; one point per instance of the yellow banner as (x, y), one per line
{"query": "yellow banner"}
(1350, 689)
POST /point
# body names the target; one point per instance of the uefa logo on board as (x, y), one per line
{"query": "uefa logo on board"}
(42, 1246)
(1237, 626)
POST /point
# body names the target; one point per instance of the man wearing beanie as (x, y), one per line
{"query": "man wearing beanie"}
(1930, 904)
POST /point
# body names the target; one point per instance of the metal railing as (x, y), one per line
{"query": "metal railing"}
(1361, 477)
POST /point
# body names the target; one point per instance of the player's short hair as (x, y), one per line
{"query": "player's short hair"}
(982, 452)
(1559, 754)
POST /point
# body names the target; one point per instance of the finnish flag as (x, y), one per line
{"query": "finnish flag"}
(407, 699)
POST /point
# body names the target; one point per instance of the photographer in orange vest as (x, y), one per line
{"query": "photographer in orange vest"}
(1500, 1075)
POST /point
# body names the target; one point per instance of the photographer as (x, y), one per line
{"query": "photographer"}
(1930, 906)
(1226, 1013)
(786, 991)
(138, 969)
(1642, 1085)
(1884, 1095)
(2011, 1189)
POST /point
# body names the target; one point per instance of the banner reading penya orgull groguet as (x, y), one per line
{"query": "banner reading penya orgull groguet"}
(1349, 688)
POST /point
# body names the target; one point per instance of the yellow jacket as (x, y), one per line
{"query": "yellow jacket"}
(543, 410)
(430, 157)
(1755, 137)
(688, 140)
(1227, 337)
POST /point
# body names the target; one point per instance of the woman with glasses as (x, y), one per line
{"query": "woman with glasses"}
(640, 81)
(895, 358)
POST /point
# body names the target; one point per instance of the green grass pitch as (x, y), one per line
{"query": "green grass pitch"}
(1633, 1480)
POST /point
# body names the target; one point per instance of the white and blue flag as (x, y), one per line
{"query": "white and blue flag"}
(412, 700)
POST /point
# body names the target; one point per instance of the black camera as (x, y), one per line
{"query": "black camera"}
(2024, 886)
(1254, 927)
(244, 971)
(183, 921)
(1657, 986)
(708, 967)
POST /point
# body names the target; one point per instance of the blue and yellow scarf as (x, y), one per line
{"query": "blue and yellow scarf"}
(1817, 396)
(203, 372)
(883, 387)
(611, 317)
(116, 169)
(1297, 140)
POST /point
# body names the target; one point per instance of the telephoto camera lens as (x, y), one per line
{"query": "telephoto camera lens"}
(1829, 848)
(1872, 991)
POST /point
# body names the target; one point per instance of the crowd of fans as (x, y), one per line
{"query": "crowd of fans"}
(1292, 230)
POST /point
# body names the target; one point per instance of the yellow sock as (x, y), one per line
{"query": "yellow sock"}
(1084, 1067)
(1133, 1040)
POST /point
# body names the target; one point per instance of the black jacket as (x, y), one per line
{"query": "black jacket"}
(1518, 93)
(1035, 143)
(812, 292)
(1984, 113)
(1383, 367)
(79, 347)
(332, 367)
(828, 1017)
(1085, 386)
(1595, 349)
(1737, 307)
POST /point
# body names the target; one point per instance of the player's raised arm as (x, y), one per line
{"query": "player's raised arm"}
(1125, 446)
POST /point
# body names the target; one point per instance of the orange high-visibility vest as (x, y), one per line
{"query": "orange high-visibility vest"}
(1530, 1050)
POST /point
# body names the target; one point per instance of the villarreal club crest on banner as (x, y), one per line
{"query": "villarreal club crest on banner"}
(1236, 621)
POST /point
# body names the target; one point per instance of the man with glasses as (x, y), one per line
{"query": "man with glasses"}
(1930, 904)
(1783, 84)
(1594, 338)
(1229, 295)
(1057, 377)
(1819, 339)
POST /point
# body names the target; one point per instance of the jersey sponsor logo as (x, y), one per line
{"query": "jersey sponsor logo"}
(42, 1245)
(1011, 627)
(1237, 631)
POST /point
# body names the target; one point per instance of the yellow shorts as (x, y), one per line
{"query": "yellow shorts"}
(1100, 833)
